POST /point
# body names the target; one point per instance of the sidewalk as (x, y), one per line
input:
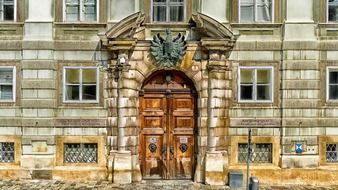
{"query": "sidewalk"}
(145, 185)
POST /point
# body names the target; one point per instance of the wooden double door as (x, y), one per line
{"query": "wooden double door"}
(167, 133)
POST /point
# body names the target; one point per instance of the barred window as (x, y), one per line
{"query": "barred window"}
(80, 152)
(260, 153)
(6, 151)
(331, 153)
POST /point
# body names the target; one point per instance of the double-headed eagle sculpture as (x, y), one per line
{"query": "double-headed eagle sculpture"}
(168, 52)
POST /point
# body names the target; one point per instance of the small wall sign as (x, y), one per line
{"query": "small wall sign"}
(183, 140)
(299, 147)
(152, 140)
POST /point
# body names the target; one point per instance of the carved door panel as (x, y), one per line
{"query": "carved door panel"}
(152, 136)
(167, 136)
(182, 136)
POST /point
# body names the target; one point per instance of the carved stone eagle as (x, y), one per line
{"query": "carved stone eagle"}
(167, 52)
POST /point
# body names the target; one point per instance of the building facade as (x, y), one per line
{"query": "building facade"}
(129, 90)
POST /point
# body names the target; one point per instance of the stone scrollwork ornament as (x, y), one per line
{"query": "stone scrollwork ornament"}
(167, 52)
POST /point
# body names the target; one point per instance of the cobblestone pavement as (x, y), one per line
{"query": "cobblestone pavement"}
(146, 185)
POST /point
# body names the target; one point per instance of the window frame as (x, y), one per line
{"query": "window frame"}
(81, 13)
(13, 84)
(255, 11)
(80, 83)
(14, 13)
(327, 13)
(271, 85)
(168, 12)
(332, 68)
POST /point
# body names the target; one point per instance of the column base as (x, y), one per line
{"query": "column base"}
(121, 167)
(216, 168)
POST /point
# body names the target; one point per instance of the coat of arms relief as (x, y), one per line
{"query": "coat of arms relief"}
(168, 52)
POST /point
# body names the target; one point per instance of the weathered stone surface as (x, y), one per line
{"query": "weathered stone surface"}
(216, 168)
(122, 168)
(300, 161)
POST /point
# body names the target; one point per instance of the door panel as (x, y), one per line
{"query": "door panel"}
(153, 156)
(167, 135)
(184, 151)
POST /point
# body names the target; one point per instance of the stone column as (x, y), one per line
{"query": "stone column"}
(122, 164)
(216, 162)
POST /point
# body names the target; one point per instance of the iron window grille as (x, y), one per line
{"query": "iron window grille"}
(260, 153)
(80, 152)
(256, 10)
(7, 10)
(331, 153)
(168, 10)
(332, 11)
(7, 152)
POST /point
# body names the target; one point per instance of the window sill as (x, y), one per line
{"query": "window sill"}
(256, 25)
(80, 24)
(264, 166)
(168, 24)
(14, 24)
(333, 25)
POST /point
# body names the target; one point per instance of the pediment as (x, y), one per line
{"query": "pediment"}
(127, 27)
(211, 28)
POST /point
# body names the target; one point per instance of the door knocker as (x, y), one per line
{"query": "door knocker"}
(152, 147)
(183, 148)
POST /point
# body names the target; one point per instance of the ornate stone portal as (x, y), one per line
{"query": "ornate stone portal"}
(205, 52)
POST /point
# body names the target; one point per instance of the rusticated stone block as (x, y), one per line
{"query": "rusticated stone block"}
(216, 164)
(42, 174)
(122, 168)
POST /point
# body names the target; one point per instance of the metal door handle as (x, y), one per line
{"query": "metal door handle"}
(172, 150)
(164, 149)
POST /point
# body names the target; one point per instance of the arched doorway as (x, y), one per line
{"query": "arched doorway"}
(167, 126)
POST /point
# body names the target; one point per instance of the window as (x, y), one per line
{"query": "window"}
(7, 10)
(7, 83)
(255, 84)
(80, 10)
(119, 9)
(256, 10)
(260, 153)
(80, 152)
(332, 10)
(6, 152)
(81, 84)
(168, 10)
(331, 153)
(332, 80)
